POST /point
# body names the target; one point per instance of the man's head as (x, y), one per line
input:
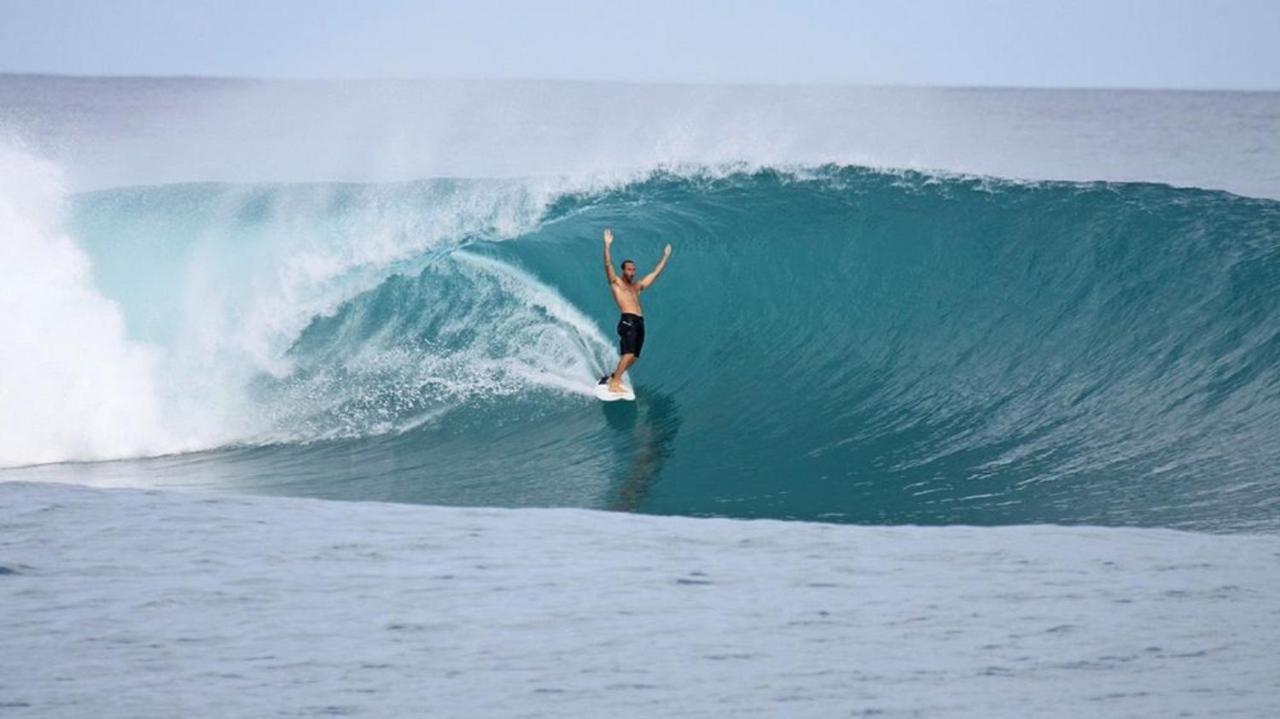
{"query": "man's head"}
(628, 270)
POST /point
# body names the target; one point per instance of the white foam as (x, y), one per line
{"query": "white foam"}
(240, 318)
(579, 351)
(512, 334)
(72, 386)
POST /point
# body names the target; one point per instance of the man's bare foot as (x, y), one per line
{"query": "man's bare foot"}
(616, 387)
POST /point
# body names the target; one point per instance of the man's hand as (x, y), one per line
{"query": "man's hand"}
(662, 265)
(608, 237)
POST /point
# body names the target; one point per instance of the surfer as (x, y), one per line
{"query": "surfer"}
(626, 292)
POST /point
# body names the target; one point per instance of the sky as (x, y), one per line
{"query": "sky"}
(1222, 44)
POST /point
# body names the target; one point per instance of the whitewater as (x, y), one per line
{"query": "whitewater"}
(1044, 321)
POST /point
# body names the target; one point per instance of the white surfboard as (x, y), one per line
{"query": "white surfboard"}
(604, 395)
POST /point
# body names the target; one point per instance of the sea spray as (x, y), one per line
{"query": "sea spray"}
(73, 386)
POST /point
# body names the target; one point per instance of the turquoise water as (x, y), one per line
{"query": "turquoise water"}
(833, 343)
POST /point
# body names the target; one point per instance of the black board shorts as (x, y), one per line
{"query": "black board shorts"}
(630, 334)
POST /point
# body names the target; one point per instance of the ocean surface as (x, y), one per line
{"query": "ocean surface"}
(142, 603)
(1047, 322)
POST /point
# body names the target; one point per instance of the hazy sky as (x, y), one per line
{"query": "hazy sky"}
(1076, 43)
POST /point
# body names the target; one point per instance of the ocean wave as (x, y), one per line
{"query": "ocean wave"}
(830, 342)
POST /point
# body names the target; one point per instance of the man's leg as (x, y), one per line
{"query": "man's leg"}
(625, 361)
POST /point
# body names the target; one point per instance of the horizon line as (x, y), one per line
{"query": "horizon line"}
(652, 83)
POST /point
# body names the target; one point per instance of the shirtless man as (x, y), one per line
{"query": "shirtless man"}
(626, 292)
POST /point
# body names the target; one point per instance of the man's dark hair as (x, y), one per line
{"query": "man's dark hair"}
(628, 262)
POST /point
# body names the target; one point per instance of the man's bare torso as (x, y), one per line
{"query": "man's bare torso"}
(627, 295)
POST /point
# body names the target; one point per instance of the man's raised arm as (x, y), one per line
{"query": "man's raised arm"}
(662, 265)
(608, 259)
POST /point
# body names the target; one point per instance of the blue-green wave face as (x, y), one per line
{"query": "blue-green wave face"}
(837, 344)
